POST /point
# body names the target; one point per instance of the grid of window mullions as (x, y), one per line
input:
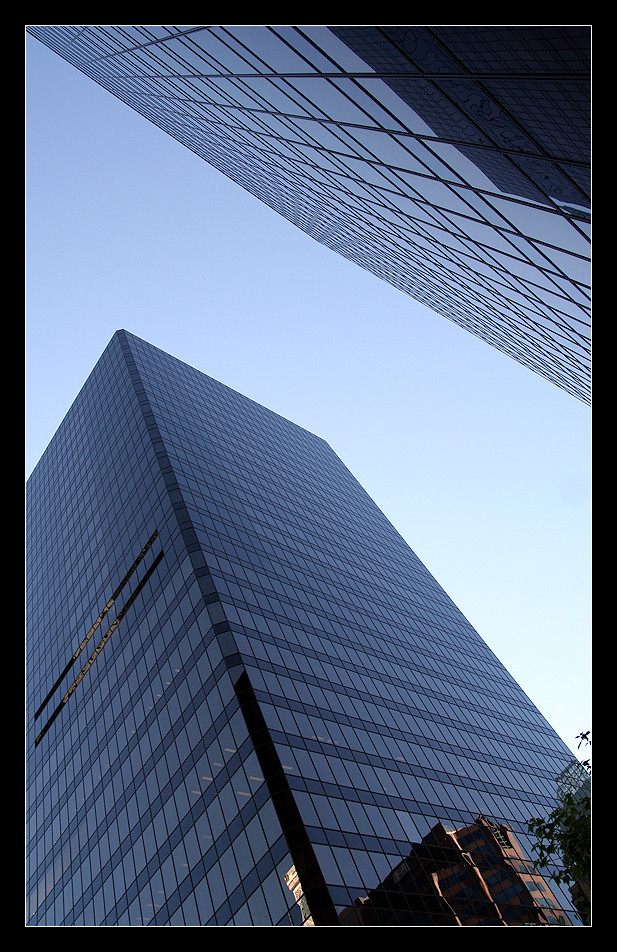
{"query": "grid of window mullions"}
(419, 198)
(161, 42)
(504, 271)
(462, 73)
(124, 753)
(316, 74)
(540, 152)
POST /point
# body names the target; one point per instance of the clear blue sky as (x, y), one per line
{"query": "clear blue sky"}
(481, 465)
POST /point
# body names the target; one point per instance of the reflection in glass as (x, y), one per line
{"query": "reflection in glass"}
(472, 876)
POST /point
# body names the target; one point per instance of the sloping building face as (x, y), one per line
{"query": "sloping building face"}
(451, 161)
(247, 697)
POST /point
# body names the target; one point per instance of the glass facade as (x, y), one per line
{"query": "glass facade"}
(451, 161)
(249, 703)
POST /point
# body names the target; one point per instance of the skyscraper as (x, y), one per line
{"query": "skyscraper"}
(249, 703)
(452, 160)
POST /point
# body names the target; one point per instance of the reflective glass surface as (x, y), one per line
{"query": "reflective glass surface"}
(451, 161)
(249, 703)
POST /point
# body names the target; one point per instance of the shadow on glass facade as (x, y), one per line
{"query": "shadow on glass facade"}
(451, 161)
(249, 703)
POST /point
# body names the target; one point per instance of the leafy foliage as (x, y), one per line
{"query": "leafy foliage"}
(567, 832)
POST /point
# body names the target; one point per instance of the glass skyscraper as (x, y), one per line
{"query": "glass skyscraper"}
(452, 160)
(249, 703)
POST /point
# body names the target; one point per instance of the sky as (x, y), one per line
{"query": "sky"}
(481, 465)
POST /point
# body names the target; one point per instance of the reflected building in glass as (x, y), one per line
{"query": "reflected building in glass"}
(249, 703)
(452, 161)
